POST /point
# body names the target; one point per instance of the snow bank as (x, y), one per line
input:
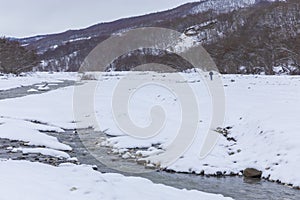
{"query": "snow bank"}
(30, 133)
(53, 108)
(44, 151)
(27, 181)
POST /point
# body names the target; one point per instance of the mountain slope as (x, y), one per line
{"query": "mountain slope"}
(243, 36)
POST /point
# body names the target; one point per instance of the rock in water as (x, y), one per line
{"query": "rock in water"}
(252, 173)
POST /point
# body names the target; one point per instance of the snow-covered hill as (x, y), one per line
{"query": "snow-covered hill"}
(246, 36)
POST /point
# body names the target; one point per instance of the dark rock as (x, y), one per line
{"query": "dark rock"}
(231, 139)
(95, 167)
(232, 174)
(252, 173)
(218, 173)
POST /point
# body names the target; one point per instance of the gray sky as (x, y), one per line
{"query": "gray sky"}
(23, 18)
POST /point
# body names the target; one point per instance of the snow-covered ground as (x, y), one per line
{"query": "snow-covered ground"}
(12, 81)
(33, 181)
(262, 115)
(26, 119)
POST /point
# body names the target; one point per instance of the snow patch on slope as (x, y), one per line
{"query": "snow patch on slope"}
(223, 6)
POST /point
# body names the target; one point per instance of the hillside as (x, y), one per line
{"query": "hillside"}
(248, 36)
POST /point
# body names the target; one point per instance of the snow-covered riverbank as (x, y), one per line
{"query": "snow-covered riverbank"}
(32, 181)
(262, 132)
(261, 115)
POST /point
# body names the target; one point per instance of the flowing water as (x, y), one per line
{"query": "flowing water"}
(23, 90)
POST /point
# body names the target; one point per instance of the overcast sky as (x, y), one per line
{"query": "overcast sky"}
(23, 18)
